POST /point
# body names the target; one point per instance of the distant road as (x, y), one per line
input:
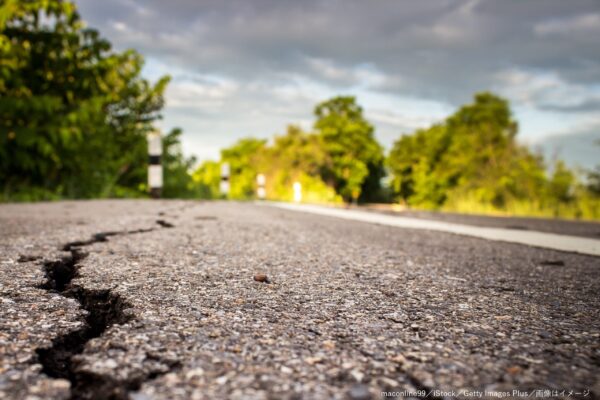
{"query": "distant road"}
(560, 226)
(509, 233)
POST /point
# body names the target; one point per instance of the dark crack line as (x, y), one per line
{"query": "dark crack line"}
(104, 309)
(99, 387)
(103, 236)
(164, 223)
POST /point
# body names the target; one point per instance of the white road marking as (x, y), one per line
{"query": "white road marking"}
(531, 238)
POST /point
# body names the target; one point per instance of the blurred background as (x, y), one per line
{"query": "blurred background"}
(463, 106)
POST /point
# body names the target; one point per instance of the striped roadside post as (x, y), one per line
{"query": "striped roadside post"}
(224, 185)
(155, 172)
(297, 192)
(261, 192)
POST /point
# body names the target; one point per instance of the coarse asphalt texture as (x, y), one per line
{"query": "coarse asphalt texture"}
(157, 300)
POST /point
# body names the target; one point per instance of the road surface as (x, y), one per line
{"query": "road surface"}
(558, 226)
(556, 241)
(158, 299)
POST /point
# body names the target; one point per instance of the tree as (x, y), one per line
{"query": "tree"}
(473, 157)
(413, 161)
(207, 178)
(593, 177)
(297, 156)
(243, 158)
(178, 183)
(353, 152)
(594, 181)
(480, 146)
(298, 150)
(74, 113)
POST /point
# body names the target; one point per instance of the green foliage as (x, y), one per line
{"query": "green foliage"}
(314, 190)
(593, 177)
(412, 160)
(297, 156)
(594, 181)
(473, 163)
(243, 158)
(74, 114)
(207, 177)
(562, 183)
(353, 153)
(177, 181)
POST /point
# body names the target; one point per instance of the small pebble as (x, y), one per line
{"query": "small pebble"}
(261, 278)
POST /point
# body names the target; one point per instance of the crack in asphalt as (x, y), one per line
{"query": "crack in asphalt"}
(103, 236)
(104, 309)
(164, 223)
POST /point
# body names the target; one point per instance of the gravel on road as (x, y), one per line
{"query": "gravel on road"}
(204, 300)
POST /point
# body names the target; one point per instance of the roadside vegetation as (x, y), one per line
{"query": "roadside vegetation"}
(470, 163)
(74, 115)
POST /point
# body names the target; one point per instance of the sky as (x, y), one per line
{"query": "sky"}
(244, 68)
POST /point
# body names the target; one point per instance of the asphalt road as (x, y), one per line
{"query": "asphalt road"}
(547, 240)
(559, 226)
(157, 299)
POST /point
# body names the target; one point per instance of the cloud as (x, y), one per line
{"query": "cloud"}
(119, 26)
(362, 75)
(201, 93)
(267, 62)
(403, 121)
(547, 90)
(420, 44)
(327, 69)
(578, 147)
(586, 24)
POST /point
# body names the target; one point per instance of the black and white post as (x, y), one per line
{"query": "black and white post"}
(224, 186)
(260, 191)
(155, 172)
